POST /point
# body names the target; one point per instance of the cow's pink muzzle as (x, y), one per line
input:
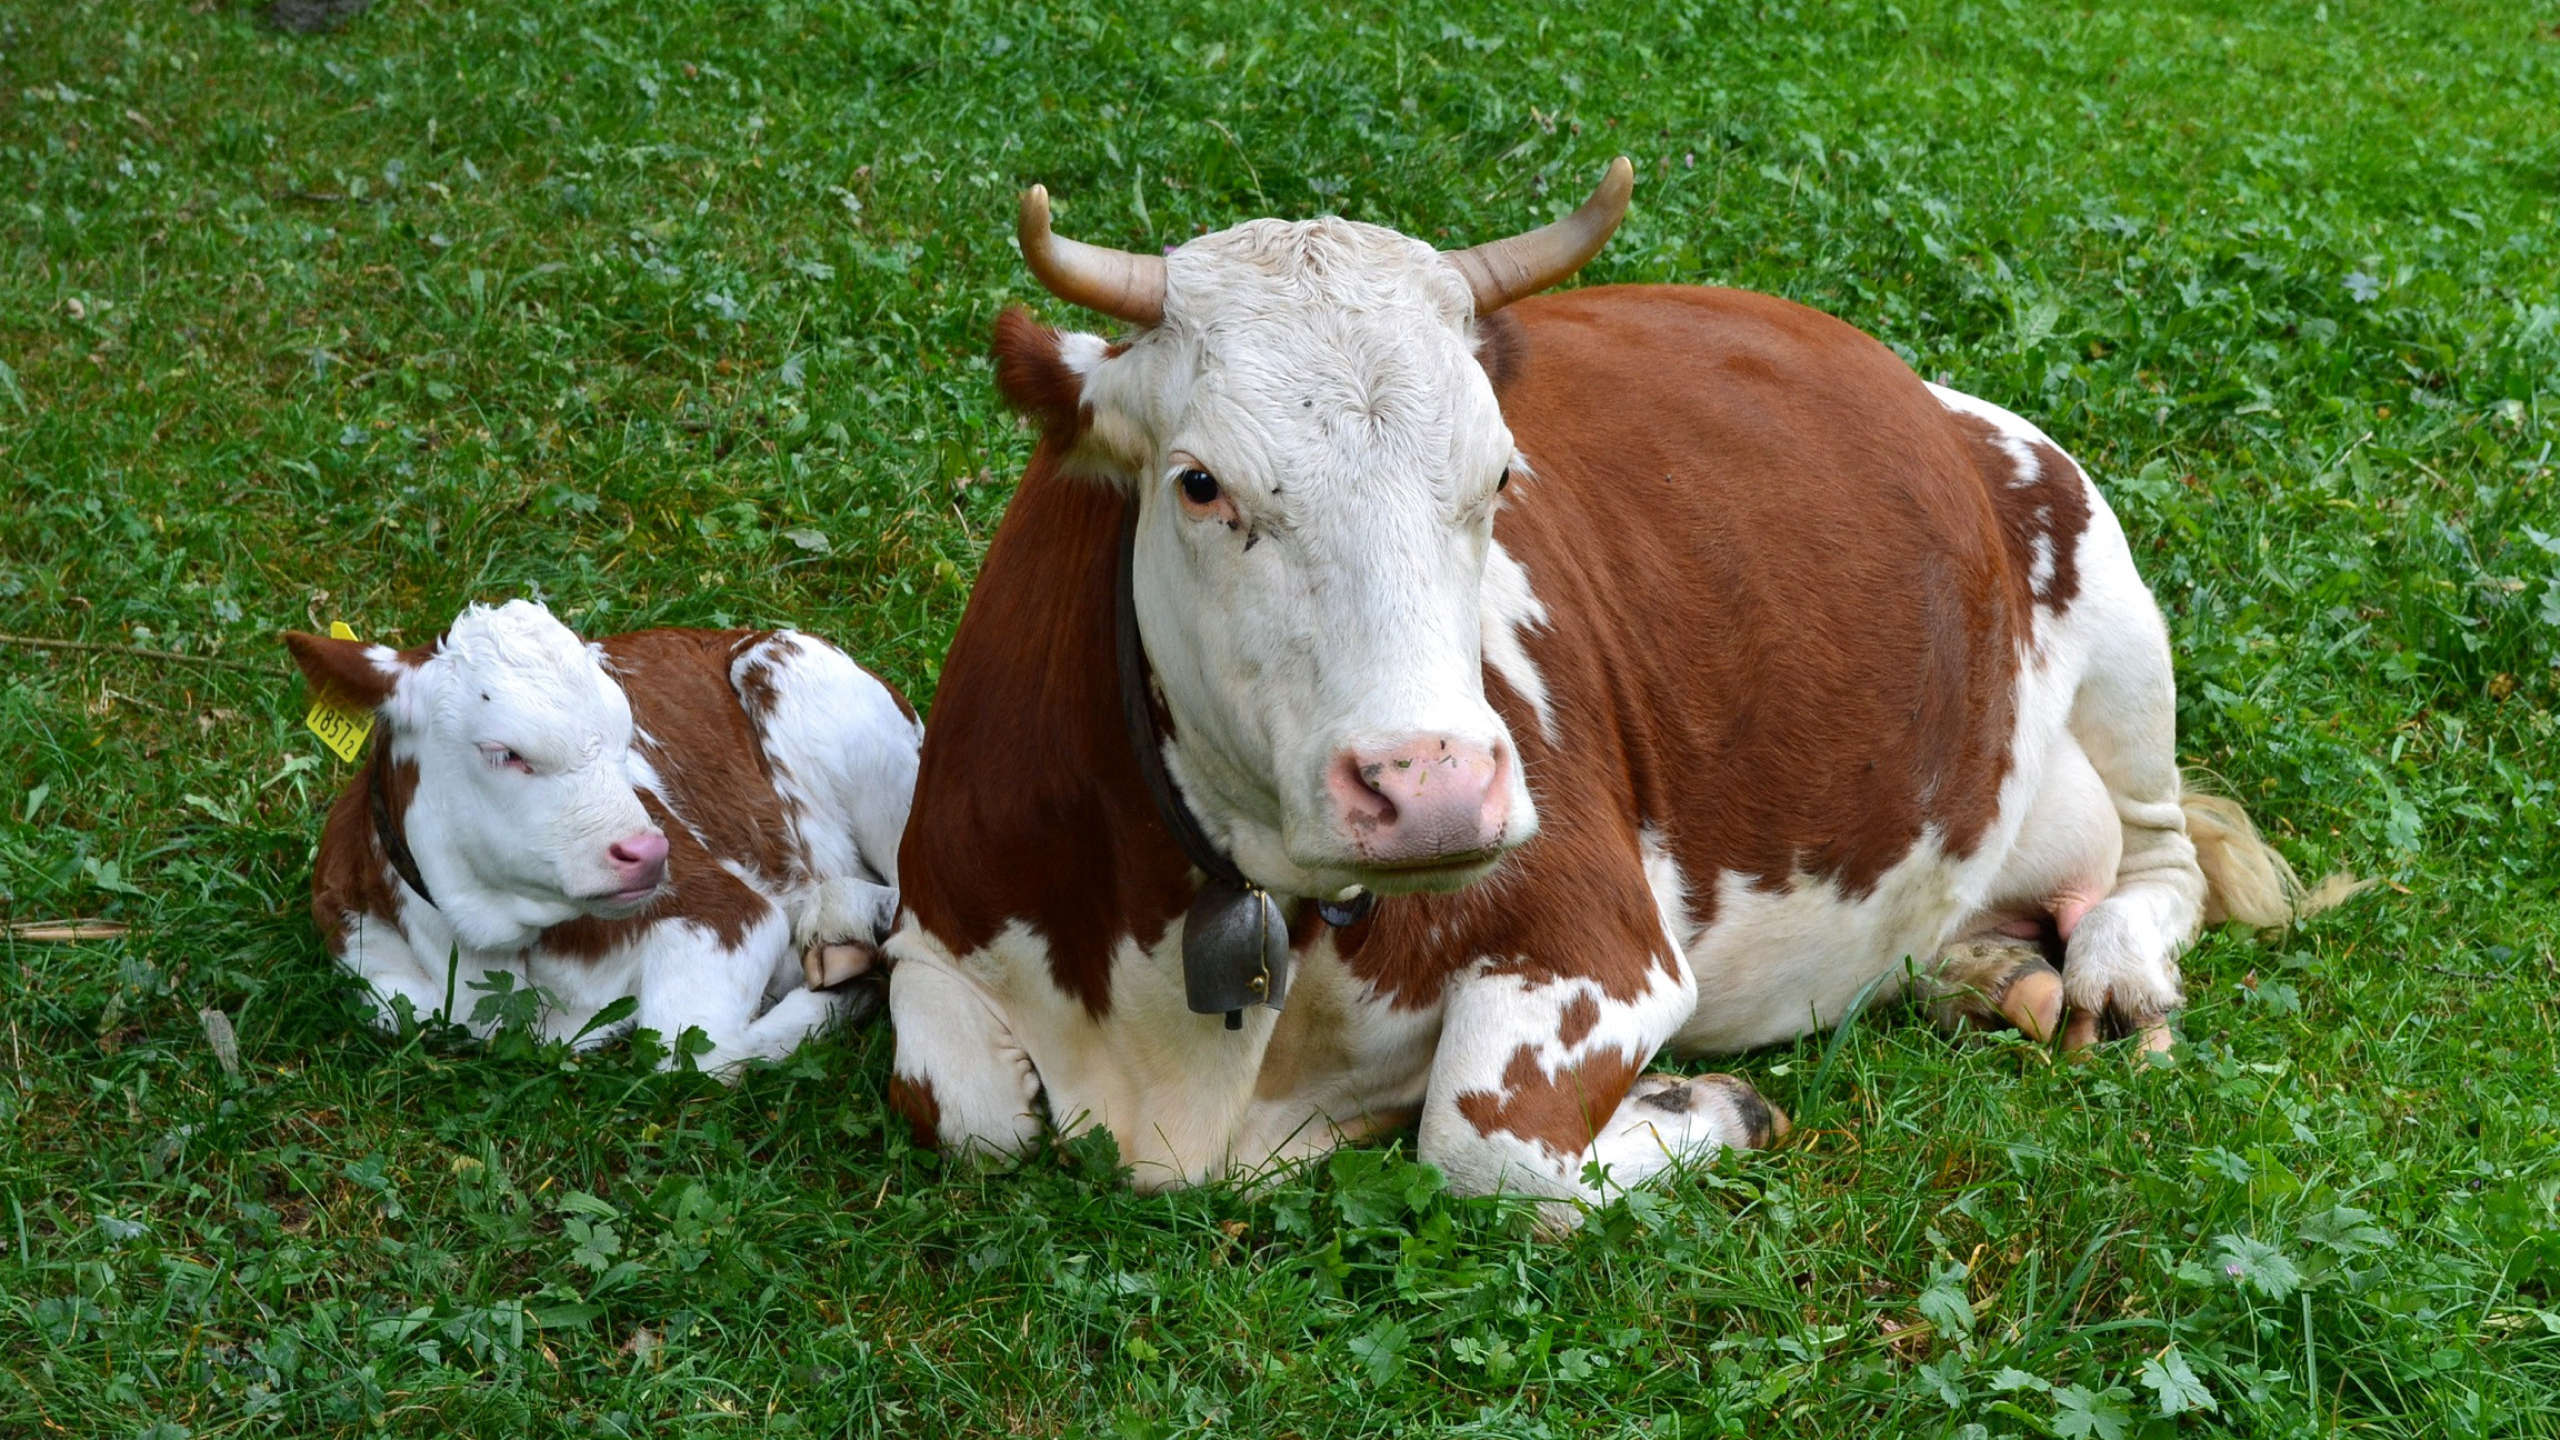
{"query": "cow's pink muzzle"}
(1433, 799)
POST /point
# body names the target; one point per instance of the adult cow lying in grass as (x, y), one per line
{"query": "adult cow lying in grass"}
(705, 822)
(1547, 685)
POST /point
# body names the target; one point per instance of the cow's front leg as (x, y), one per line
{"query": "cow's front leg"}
(959, 1077)
(1538, 1087)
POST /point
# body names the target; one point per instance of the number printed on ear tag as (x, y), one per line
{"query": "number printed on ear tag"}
(341, 727)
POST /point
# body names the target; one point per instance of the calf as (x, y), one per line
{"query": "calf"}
(705, 821)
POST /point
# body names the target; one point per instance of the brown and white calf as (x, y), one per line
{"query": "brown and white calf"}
(706, 821)
(1668, 665)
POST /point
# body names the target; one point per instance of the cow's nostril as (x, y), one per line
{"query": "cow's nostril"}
(1357, 791)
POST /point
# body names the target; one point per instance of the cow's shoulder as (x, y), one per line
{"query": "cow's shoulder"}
(1031, 807)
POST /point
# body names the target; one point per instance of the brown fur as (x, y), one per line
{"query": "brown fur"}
(1561, 1113)
(1044, 817)
(914, 1099)
(351, 876)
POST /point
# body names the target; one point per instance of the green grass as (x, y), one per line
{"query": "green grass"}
(675, 313)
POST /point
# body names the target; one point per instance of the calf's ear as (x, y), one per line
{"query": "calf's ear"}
(350, 672)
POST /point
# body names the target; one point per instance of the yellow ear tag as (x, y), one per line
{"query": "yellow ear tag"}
(342, 728)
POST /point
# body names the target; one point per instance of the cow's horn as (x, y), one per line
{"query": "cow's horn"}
(1115, 282)
(1502, 271)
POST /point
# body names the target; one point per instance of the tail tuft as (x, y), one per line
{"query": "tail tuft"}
(2245, 880)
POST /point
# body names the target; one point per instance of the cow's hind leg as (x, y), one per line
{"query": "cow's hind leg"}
(2120, 973)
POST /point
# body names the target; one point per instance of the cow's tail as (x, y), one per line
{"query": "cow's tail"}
(2245, 880)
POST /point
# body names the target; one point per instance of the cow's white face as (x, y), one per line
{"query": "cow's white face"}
(1317, 456)
(524, 814)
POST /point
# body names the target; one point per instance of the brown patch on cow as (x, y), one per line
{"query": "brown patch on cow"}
(1500, 349)
(914, 1099)
(351, 876)
(2046, 504)
(1031, 807)
(1560, 1114)
(699, 737)
(1822, 664)
(1577, 1021)
(1034, 378)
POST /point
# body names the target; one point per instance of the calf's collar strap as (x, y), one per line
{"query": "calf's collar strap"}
(1235, 939)
(395, 843)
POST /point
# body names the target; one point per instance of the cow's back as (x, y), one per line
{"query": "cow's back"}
(1782, 623)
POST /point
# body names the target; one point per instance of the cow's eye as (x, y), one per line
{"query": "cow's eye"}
(1502, 484)
(1198, 486)
(502, 758)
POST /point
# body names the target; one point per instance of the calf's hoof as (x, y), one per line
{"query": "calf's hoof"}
(828, 965)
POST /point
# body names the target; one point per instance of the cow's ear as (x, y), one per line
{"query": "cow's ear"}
(1044, 375)
(1501, 349)
(1033, 375)
(350, 672)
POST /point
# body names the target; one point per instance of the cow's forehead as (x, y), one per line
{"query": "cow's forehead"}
(1321, 338)
(523, 659)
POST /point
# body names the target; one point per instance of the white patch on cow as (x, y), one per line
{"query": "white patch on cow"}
(840, 746)
(1511, 609)
(2040, 566)
(1171, 1085)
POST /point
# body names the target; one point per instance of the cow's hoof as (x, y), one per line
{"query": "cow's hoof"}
(2031, 999)
(1996, 984)
(829, 965)
(2088, 1027)
(1748, 1121)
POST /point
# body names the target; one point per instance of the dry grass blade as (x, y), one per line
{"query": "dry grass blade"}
(58, 932)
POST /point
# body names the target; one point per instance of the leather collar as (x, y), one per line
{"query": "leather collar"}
(395, 842)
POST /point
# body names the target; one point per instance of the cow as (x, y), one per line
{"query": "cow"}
(705, 822)
(1504, 690)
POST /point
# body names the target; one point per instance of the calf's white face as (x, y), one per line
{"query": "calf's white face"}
(524, 815)
(1317, 455)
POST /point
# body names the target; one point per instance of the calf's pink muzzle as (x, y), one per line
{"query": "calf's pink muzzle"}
(639, 862)
(1432, 799)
